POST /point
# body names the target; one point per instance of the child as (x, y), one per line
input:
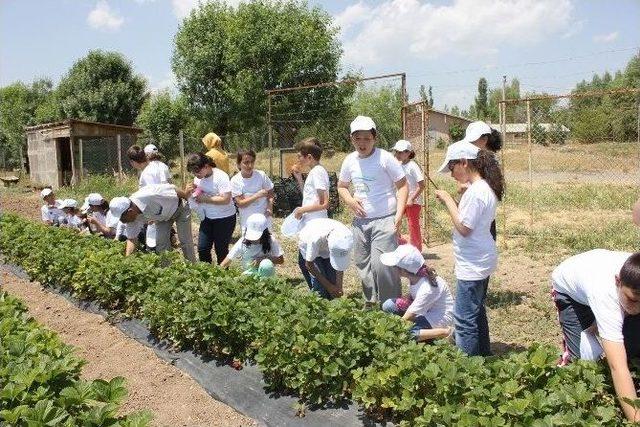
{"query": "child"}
(210, 196)
(598, 293)
(379, 197)
(71, 216)
(405, 154)
(97, 210)
(431, 306)
(474, 249)
(325, 247)
(258, 249)
(251, 189)
(50, 211)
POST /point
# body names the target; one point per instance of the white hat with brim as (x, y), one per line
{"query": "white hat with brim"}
(458, 151)
(256, 224)
(117, 207)
(95, 199)
(407, 257)
(290, 226)
(45, 192)
(475, 130)
(111, 221)
(362, 123)
(403, 145)
(150, 148)
(68, 203)
(340, 243)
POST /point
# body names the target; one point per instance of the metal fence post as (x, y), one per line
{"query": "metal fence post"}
(183, 172)
(270, 135)
(119, 141)
(81, 158)
(530, 162)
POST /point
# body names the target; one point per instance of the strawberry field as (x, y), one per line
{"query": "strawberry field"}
(321, 351)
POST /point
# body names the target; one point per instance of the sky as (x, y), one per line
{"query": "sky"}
(549, 45)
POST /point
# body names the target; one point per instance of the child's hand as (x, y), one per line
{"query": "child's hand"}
(203, 198)
(189, 187)
(357, 208)
(262, 193)
(297, 213)
(443, 196)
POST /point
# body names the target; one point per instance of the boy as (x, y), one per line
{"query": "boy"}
(379, 197)
(598, 292)
(325, 246)
(161, 203)
(51, 210)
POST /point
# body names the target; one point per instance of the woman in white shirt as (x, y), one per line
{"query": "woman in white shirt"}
(210, 196)
(97, 210)
(251, 189)
(474, 248)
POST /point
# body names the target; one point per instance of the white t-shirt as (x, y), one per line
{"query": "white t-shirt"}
(73, 221)
(157, 202)
(589, 279)
(155, 172)
(318, 179)
(414, 176)
(249, 253)
(51, 213)
(476, 255)
(435, 303)
(373, 180)
(312, 239)
(216, 184)
(248, 187)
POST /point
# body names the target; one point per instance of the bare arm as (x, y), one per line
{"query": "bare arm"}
(106, 231)
(323, 204)
(453, 211)
(270, 197)
(623, 384)
(243, 201)
(131, 247)
(354, 204)
(401, 196)
(335, 290)
(225, 262)
(274, 259)
(413, 196)
(222, 199)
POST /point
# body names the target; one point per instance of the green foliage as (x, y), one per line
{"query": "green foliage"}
(538, 134)
(102, 87)
(40, 379)
(482, 100)
(456, 132)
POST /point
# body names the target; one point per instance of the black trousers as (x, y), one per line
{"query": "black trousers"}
(215, 233)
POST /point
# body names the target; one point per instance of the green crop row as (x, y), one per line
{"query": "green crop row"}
(323, 351)
(39, 379)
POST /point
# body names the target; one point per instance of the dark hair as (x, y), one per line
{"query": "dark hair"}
(630, 272)
(104, 206)
(155, 155)
(494, 141)
(412, 154)
(429, 273)
(489, 169)
(264, 240)
(246, 152)
(373, 132)
(196, 161)
(136, 153)
(310, 146)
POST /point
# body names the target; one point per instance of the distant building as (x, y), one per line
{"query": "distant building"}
(441, 121)
(516, 133)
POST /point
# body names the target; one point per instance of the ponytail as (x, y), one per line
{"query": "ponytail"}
(487, 166)
(429, 273)
(265, 241)
(494, 141)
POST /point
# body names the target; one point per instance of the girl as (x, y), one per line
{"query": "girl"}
(51, 211)
(98, 209)
(431, 305)
(210, 197)
(258, 249)
(474, 249)
(405, 154)
(252, 190)
(71, 217)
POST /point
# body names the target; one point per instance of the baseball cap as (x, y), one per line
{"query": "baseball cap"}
(403, 145)
(256, 224)
(459, 150)
(117, 207)
(407, 257)
(362, 123)
(475, 130)
(150, 148)
(340, 243)
(45, 192)
(94, 199)
(68, 203)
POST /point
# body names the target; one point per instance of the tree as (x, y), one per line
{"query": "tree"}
(225, 58)
(430, 96)
(102, 87)
(482, 108)
(456, 132)
(426, 96)
(162, 116)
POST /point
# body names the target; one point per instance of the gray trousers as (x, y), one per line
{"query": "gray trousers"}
(182, 218)
(373, 237)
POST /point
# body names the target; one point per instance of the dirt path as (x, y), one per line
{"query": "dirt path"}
(173, 397)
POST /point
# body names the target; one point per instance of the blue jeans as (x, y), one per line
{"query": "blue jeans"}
(324, 267)
(470, 315)
(304, 269)
(419, 322)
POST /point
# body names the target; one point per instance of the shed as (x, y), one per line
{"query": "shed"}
(61, 153)
(441, 121)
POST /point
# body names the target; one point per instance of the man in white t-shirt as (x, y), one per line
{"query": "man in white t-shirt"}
(379, 197)
(50, 211)
(597, 293)
(161, 203)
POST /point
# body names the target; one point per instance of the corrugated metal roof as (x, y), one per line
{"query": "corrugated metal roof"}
(68, 122)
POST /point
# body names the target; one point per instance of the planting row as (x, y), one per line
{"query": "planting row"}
(39, 379)
(324, 351)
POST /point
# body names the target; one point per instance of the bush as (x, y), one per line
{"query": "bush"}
(456, 132)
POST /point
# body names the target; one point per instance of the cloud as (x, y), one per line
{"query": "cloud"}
(168, 82)
(182, 8)
(605, 38)
(103, 18)
(418, 29)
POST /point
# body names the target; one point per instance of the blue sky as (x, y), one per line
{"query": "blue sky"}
(548, 44)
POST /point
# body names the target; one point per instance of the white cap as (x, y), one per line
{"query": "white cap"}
(457, 151)
(68, 203)
(407, 257)
(94, 199)
(403, 145)
(256, 224)
(45, 192)
(150, 148)
(291, 225)
(362, 123)
(340, 243)
(117, 207)
(475, 130)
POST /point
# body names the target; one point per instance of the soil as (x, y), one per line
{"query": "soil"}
(174, 398)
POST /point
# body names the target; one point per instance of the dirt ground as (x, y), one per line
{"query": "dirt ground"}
(174, 398)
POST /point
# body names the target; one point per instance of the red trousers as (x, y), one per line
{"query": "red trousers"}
(412, 212)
